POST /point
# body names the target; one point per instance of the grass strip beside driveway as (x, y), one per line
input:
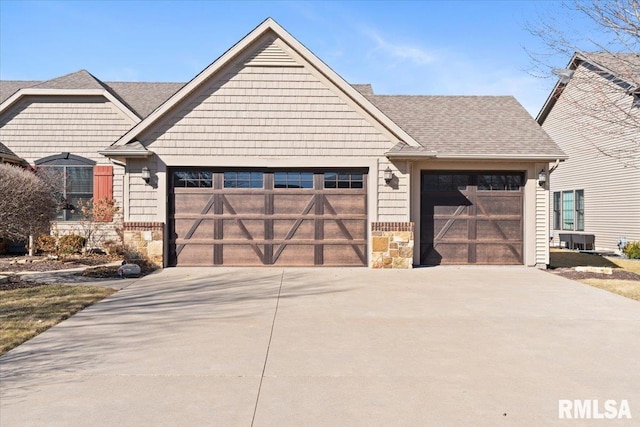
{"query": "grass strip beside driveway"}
(624, 280)
(27, 312)
(626, 288)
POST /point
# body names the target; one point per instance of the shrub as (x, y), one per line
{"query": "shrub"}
(103, 210)
(46, 243)
(71, 244)
(27, 202)
(632, 250)
(114, 248)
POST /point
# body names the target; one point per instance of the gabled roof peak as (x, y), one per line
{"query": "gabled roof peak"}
(81, 79)
(300, 51)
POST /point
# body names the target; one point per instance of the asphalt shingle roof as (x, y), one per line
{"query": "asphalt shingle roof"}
(467, 125)
(624, 65)
(9, 87)
(6, 153)
(454, 125)
(141, 97)
(5, 150)
(79, 80)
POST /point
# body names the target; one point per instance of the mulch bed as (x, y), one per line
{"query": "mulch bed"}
(105, 272)
(618, 274)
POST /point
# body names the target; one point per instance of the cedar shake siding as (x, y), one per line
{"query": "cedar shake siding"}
(39, 126)
(279, 109)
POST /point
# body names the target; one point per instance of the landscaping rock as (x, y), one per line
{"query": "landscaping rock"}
(129, 270)
(599, 270)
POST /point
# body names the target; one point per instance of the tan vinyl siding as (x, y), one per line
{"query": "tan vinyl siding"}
(41, 126)
(143, 198)
(542, 221)
(611, 186)
(285, 112)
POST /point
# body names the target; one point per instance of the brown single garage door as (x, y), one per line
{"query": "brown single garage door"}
(471, 218)
(267, 217)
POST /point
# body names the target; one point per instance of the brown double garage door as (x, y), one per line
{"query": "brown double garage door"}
(471, 218)
(246, 217)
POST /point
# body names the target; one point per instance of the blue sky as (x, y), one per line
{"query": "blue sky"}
(419, 47)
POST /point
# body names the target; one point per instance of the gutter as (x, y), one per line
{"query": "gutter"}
(125, 153)
(502, 157)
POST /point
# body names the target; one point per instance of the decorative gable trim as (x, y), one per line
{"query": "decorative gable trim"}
(270, 55)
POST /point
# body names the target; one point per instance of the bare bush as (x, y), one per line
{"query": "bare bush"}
(27, 203)
(95, 217)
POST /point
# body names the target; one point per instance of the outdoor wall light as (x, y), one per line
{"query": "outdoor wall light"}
(564, 74)
(146, 174)
(542, 178)
(388, 175)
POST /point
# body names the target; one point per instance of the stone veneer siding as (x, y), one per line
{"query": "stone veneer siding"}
(392, 245)
(147, 238)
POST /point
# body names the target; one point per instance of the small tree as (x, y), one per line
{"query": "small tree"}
(27, 203)
(94, 215)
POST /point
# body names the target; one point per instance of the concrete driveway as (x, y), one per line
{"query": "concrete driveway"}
(330, 347)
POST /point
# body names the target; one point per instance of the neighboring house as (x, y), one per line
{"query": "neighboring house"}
(595, 118)
(268, 157)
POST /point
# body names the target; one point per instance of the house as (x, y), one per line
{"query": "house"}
(268, 157)
(593, 114)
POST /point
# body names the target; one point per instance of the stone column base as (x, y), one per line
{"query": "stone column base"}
(392, 244)
(147, 238)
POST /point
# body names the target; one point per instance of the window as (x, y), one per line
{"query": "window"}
(484, 181)
(568, 210)
(243, 180)
(72, 176)
(579, 210)
(193, 179)
(445, 182)
(509, 182)
(343, 180)
(557, 211)
(293, 179)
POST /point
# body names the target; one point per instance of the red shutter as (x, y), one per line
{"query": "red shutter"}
(102, 188)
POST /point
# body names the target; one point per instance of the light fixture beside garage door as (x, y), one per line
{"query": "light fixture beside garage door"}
(388, 175)
(146, 174)
(542, 178)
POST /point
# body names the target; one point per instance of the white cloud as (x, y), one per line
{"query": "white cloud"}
(408, 52)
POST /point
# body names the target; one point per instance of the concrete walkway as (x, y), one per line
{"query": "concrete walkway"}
(330, 347)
